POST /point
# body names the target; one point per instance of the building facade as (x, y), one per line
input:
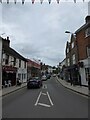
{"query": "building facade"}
(78, 55)
(83, 42)
(13, 64)
(33, 68)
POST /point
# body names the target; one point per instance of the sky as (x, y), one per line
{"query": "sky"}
(38, 31)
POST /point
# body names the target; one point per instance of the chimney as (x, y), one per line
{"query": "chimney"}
(6, 42)
(87, 19)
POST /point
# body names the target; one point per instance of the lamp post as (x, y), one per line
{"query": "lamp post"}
(0, 63)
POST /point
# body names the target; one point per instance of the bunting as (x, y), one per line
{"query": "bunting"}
(49, 1)
(74, 1)
(58, 1)
(41, 1)
(7, 1)
(23, 2)
(33, 1)
(15, 1)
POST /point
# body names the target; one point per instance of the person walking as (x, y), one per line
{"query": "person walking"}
(89, 82)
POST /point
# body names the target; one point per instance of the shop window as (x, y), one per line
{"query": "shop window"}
(87, 71)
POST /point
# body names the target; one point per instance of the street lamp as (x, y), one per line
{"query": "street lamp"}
(74, 34)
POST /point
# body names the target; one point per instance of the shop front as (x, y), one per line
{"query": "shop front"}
(9, 74)
(73, 76)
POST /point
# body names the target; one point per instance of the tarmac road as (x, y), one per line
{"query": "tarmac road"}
(50, 101)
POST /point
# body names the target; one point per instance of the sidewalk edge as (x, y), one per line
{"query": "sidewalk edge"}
(13, 91)
(73, 89)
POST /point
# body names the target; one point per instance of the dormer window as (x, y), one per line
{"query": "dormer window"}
(87, 32)
(88, 51)
(72, 44)
(67, 50)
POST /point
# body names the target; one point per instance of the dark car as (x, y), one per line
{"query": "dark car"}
(34, 82)
(48, 76)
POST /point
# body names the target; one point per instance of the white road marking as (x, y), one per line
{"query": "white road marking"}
(44, 86)
(49, 98)
(38, 98)
(44, 94)
(45, 105)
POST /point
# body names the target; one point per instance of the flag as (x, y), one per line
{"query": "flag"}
(58, 1)
(49, 1)
(41, 1)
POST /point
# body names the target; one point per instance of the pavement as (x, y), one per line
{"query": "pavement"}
(11, 89)
(76, 88)
(79, 89)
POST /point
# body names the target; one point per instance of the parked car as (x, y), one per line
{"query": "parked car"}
(54, 75)
(48, 76)
(34, 82)
(44, 78)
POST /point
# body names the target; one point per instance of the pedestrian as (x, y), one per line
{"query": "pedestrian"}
(89, 81)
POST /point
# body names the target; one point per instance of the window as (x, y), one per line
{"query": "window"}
(68, 61)
(87, 71)
(24, 64)
(87, 32)
(19, 63)
(72, 44)
(7, 59)
(24, 76)
(73, 59)
(14, 63)
(19, 76)
(88, 51)
(67, 50)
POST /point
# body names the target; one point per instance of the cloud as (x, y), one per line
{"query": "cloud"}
(39, 30)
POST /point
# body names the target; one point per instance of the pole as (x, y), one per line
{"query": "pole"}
(0, 77)
(0, 63)
(89, 8)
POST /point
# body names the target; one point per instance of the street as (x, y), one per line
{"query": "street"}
(51, 101)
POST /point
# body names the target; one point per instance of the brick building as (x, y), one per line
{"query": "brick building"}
(78, 54)
(33, 68)
(83, 42)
